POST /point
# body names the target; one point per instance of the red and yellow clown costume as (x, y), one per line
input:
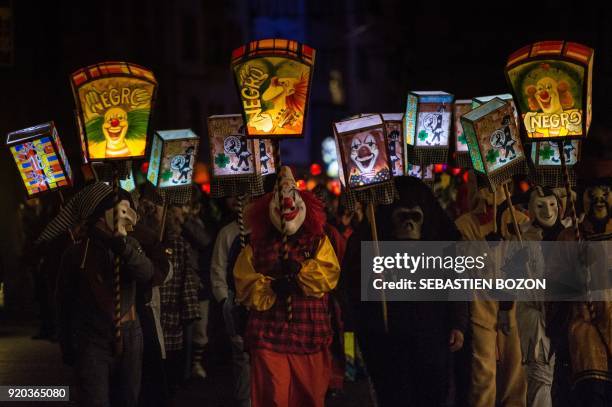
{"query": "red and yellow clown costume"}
(289, 346)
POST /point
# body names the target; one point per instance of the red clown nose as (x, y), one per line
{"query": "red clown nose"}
(288, 203)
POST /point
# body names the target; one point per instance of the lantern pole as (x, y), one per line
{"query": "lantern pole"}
(284, 243)
(162, 226)
(372, 220)
(62, 202)
(241, 198)
(512, 213)
(568, 190)
(117, 271)
(494, 209)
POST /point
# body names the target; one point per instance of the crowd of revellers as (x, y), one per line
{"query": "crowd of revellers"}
(285, 279)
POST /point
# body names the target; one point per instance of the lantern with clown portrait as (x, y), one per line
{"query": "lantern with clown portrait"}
(273, 78)
(114, 102)
(427, 125)
(239, 163)
(40, 158)
(551, 82)
(494, 145)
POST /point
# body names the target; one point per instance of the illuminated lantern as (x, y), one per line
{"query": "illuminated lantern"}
(273, 79)
(40, 158)
(239, 163)
(551, 82)
(173, 156)
(462, 154)
(427, 177)
(128, 184)
(493, 142)
(363, 148)
(427, 124)
(547, 162)
(506, 97)
(395, 138)
(114, 102)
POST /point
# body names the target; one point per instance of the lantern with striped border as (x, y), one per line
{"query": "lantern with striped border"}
(551, 82)
(40, 158)
(114, 101)
(273, 79)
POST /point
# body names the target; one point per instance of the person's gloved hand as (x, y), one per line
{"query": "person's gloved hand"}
(284, 286)
(503, 322)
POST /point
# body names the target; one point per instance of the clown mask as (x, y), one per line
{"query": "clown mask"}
(544, 208)
(287, 205)
(121, 219)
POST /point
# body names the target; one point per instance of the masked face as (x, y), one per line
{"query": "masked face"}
(291, 208)
(364, 152)
(545, 209)
(407, 223)
(121, 219)
(599, 199)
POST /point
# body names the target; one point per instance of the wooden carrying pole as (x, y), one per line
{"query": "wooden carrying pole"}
(383, 300)
(568, 190)
(117, 273)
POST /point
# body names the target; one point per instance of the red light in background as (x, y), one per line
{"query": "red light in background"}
(456, 171)
(524, 186)
(144, 168)
(334, 187)
(466, 176)
(438, 168)
(315, 169)
(301, 184)
(205, 188)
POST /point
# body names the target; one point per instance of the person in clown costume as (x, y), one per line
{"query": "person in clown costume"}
(288, 332)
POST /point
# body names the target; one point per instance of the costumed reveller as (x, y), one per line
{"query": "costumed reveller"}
(496, 373)
(85, 295)
(587, 327)
(289, 348)
(410, 364)
(545, 212)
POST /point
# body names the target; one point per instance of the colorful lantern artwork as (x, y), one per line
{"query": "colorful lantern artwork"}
(462, 154)
(493, 141)
(427, 124)
(546, 159)
(273, 78)
(552, 82)
(238, 162)
(129, 183)
(40, 158)
(395, 138)
(415, 171)
(173, 156)
(363, 151)
(114, 102)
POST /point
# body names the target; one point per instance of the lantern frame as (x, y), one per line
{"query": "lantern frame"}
(552, 174)
(487, 117)
(395, 121)
(552, 53)
(164, 138)
(460, 107)
(109, 70)
(348, 128)
(37, 133)
(273, 48)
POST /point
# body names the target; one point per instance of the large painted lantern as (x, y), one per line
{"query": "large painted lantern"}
(40, 158)
(462, 154)
(114, 102)
(395, 138)
(551, 82)
(493, 142)
(547, 160)
(173, 156)
(506, 97)
(239, 163)
(273, 79)
(427, 125)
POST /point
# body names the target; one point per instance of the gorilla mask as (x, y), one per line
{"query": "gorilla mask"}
(407, 223)
(287, 204)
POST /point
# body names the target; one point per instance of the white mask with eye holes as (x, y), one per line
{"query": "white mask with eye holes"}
(289, 204)
(407, 223)
(364, 152)
(545, 209)
(121, 219)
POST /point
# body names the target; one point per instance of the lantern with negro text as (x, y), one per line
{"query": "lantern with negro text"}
(40, 158)
(273, 78)
(551, 82)
(114, 102)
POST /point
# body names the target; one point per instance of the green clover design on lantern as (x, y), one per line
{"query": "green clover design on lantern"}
(221, 160)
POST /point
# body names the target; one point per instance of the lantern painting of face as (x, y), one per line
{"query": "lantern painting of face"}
(116, 116)
(544, 208)
(433, 125)
(274, 92)
(550, 97)
(288, 204)
(499, 140)
(366, 157)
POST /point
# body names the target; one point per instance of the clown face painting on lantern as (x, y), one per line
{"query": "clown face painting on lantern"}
(365, 157)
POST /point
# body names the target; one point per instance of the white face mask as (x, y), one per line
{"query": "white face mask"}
(545, 209)
(293, 210)
(121, 219)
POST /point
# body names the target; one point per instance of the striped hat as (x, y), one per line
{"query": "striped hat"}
(79, 208)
